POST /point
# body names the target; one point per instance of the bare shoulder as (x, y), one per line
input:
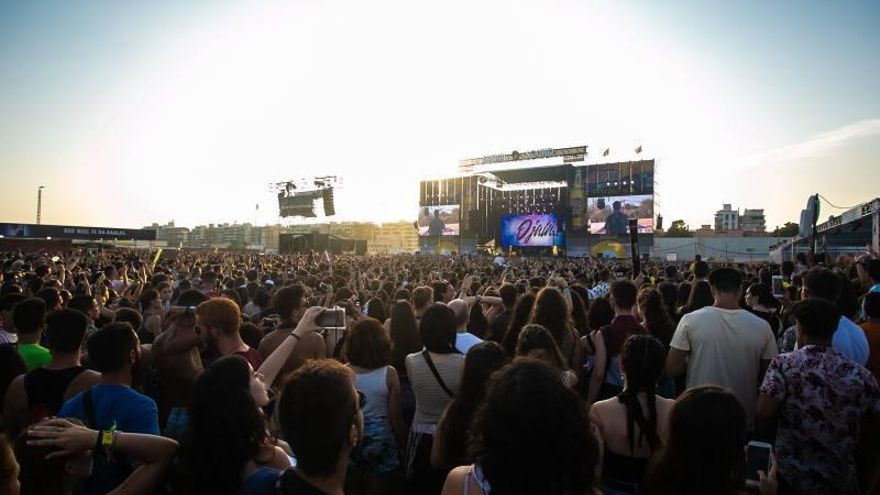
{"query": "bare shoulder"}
(455, 481)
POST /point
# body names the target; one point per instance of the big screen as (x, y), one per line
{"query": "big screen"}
(439, 220)
(609, 214)
(530, 230)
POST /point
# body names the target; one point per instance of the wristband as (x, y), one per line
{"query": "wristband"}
(297, 337)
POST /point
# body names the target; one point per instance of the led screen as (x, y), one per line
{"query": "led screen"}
(530, 230)
(609, 214)
(439, 220)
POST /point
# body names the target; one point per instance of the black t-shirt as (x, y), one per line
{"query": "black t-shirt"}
(290, 483)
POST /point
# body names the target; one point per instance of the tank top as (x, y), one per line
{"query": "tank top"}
(431, 399)
(374, 386)
(45, 390)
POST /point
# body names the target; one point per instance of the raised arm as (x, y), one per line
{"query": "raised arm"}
(275, 361)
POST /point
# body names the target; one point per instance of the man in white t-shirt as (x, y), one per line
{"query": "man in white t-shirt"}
(723, 344)
(463, 339)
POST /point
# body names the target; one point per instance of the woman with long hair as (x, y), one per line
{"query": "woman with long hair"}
(655, 318)
(404, 332)
(228, 449)
(633, 424)
(684, 293)
(537, 343)
(522, 311)
(530, 436)
(374, 464)
(669, 293)
(376, 309)
(552, 312)
(699, 298)
(450, 440)
(579, 315)
(704, 453)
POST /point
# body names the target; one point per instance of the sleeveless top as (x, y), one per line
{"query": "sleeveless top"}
(374, 386)
(431, 399)
(476, 473)
(45, 390)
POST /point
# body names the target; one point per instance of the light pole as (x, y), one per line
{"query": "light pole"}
(39, 202)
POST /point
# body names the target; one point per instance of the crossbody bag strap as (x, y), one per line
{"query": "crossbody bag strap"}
(433, 368)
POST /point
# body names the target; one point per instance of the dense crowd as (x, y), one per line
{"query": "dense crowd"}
(124, 371)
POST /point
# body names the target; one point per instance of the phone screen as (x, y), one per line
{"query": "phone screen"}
(757, 459)
(778, 288)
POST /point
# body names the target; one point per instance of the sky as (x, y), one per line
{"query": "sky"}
(134, 112)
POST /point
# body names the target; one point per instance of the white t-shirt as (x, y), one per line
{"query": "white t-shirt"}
(726, 348)
(464, 341)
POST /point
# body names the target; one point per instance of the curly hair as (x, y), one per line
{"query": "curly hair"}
(368, 344)
(226, 429)
(532, 434)
(535, 341)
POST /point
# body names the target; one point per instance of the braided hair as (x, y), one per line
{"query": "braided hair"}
(643, 357)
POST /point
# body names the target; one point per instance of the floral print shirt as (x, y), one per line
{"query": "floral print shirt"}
(824, 397)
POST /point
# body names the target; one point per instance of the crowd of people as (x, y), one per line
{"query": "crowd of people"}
(195, 372)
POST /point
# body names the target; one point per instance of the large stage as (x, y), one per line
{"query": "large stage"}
(542, 202)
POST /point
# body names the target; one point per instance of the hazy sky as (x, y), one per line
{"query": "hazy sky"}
(133, 112)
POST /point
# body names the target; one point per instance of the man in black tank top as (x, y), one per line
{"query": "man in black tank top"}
(41, 392)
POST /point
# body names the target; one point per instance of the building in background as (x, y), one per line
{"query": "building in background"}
(728, 219)
(753, 221)
(395, 238)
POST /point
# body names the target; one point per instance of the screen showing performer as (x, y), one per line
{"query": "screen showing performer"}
(439, 220)
(608, 215)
